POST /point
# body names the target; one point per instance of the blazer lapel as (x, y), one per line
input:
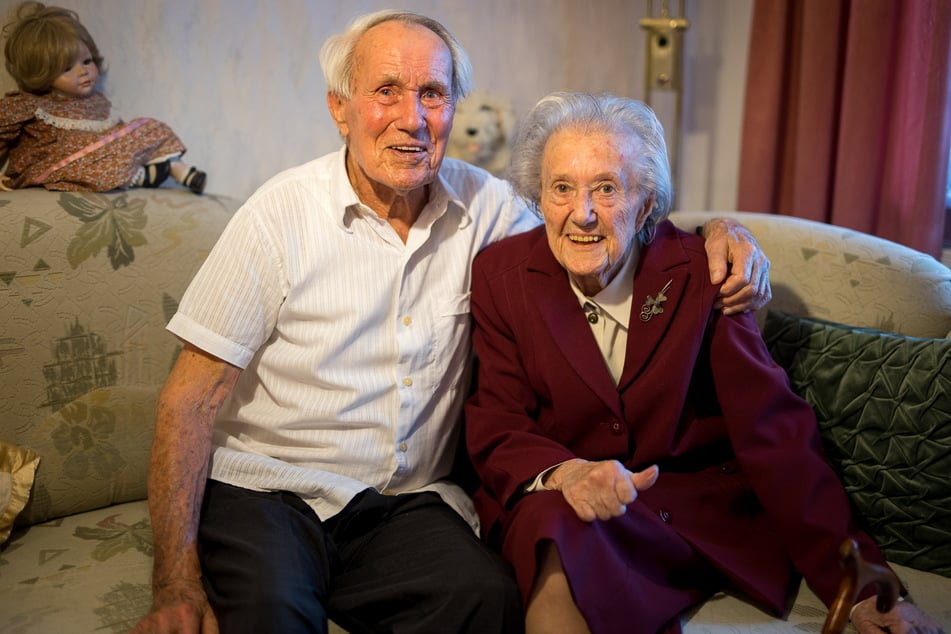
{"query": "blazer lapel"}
(659, 266)
(550, 291)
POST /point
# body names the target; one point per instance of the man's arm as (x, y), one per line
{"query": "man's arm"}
(739, 264)
(184, 419)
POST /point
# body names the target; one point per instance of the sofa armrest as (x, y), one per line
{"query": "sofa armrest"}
(836, 274)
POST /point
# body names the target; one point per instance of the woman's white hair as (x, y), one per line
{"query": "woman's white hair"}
(607, 113)
(336, 55)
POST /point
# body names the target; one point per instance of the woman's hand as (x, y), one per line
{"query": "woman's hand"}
(599, 490)
(904, 618)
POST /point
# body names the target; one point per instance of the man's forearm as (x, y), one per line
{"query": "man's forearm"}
(178, 467)
(177, 472)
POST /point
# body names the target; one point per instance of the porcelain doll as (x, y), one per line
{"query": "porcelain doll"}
(58, 131)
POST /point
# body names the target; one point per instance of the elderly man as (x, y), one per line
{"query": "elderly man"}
(304, 436)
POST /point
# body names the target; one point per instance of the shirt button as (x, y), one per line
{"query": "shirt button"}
(407, 381)
(403, 447)
(407, 320)
(616, 428)
(727, 467)
(664, 516)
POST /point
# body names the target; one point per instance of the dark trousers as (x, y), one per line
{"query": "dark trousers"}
(404, 563)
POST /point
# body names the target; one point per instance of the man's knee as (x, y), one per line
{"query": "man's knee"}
(265, 561)
(487, 595)
(269, 607)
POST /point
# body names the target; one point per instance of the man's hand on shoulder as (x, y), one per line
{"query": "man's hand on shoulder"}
(737, 262)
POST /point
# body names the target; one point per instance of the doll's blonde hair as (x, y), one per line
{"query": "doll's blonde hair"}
(41, 43)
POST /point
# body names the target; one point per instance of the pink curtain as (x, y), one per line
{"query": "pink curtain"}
(848, 115)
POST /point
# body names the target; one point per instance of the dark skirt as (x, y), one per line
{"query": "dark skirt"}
(632, 573)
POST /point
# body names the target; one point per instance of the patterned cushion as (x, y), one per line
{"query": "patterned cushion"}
(883, 403)
(17, 468)
(89, 281)
(95, 453)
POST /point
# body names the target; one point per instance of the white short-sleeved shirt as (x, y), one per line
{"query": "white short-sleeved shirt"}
(354, 346)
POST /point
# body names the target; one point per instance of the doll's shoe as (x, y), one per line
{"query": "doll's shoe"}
(156, 173)
(194, 180)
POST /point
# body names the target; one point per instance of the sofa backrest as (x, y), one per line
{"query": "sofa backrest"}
(845, 276)
(89, 282)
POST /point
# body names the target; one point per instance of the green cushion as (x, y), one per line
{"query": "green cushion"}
(883, 404)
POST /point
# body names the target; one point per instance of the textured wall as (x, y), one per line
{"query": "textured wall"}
(240, 82)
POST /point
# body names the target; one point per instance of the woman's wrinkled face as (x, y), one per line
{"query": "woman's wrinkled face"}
(591, 203)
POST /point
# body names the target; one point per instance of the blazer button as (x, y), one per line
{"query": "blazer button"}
(616, 428)
(664, 516)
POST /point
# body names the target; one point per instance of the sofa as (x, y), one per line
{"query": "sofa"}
(89, 281)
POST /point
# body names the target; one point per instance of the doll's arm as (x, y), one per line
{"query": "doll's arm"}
(16, 110)
(6, 183)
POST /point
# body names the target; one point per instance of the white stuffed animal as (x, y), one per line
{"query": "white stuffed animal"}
(482, 132)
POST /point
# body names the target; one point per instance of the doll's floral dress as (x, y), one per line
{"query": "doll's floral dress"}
(76, 143)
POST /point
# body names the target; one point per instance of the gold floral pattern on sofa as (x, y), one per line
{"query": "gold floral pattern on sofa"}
(81, 362)
(116, 537)
(87, 283)
(83, 436)
(113, 223)
(50, 583)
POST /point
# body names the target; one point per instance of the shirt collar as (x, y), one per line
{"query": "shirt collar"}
(442, 197)
(615, 298)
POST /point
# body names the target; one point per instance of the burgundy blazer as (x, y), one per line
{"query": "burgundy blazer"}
(742, 474)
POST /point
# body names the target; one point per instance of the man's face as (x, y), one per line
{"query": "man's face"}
(398, 120)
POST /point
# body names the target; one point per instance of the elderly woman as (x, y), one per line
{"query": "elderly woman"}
(638, 451)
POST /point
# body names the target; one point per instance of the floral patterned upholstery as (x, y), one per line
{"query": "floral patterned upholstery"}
(88, 572)
(845, 276)
(87, 283)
